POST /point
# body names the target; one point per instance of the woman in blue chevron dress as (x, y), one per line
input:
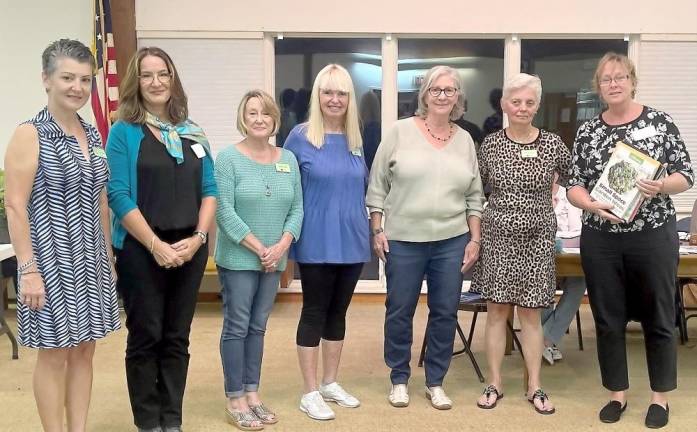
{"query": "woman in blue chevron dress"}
(56, 173)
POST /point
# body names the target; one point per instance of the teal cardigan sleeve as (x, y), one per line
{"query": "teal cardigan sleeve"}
(121, 186)
(209, 188)
(229, 222)
(294, 219)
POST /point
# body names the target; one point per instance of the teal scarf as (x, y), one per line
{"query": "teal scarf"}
(172, 135)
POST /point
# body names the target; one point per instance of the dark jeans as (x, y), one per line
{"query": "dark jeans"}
(327, 291)
(159, 306)
(407, 263)
(631, 276)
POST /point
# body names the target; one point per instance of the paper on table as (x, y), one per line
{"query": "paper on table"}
(571, 250)
(687, 250)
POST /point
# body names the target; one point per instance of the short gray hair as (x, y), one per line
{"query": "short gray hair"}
(520, 81)
(65, 48)
(432, 75)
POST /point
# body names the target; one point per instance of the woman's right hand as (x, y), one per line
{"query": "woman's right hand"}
(601, 208)
(165, 255)
(32, 292)
(380, 245)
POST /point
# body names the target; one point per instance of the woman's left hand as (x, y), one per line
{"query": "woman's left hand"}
(186, 248)
(471, 255)
(650, 188)
(270, 259)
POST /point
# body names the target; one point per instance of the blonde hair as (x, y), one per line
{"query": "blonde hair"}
(333, 77)
(617, 58)
(432, 75)
(520, 81)
(267, 104)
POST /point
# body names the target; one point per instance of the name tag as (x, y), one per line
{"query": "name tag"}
(283, 167)
(528, 153)
(99, 152)
(356, 153)
(198, 150)
(643, 133)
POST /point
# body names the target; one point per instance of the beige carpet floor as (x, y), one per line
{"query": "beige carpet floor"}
(573, 383)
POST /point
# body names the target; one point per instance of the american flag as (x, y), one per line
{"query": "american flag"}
(105, 84)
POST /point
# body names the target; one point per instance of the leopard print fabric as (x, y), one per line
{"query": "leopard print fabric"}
(516, 263)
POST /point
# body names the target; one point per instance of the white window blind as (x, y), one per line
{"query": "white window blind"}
(668, 82)
(216, 73)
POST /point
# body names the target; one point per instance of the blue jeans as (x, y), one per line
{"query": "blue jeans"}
(555, 320)
(248, 297)
(407, 263)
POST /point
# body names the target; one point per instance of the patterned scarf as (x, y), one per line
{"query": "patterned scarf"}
(172, 134)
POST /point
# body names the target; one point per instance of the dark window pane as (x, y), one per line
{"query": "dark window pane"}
(566, 69)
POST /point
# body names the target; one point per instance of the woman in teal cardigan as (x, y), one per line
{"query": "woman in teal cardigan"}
(163, 196)
(259, 215)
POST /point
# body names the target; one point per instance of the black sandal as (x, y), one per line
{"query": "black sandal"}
(488, 391)
(542, 396)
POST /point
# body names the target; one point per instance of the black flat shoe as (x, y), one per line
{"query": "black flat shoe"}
(612, 412)
(656, 416)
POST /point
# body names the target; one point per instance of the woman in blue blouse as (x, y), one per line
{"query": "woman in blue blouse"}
(335, 240)
(163, 196)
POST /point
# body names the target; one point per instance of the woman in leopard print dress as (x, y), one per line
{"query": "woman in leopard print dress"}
(516, 265)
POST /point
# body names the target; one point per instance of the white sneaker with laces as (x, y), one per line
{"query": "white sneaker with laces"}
(548, 355)
(335, 393)
(399, 396)
(315, 407)
(556, 354)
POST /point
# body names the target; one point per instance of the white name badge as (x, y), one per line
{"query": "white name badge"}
(643, 133)
(198, 150)
(528, 153)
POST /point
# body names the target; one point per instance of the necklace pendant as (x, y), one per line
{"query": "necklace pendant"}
(268, 191)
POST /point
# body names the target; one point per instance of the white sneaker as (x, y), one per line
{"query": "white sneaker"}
(314, 406)
(556, 354)
(399, 396)
(548, 355)
(439, 400)
(335, 393)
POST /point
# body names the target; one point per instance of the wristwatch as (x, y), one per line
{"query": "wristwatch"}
(202, 235)
(377, 231)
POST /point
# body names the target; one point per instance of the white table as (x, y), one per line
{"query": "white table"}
(6, 251)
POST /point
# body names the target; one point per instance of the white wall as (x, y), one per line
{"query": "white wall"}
(26, 28)
(408, 16)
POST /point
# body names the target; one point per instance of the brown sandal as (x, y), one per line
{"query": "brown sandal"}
(488, 391)
(542, 396)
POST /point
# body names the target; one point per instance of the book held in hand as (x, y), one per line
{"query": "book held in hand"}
(617, 184)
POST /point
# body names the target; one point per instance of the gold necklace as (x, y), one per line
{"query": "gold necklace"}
(523, 140)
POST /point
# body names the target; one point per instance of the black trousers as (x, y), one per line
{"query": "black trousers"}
(159, 306)
(631, 276)
(327, 291)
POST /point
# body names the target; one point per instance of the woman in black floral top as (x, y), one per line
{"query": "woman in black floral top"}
(630, 267)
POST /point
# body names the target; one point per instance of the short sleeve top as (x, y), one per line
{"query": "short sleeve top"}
(654, 133)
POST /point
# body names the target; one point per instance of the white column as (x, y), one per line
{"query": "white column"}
(511, 62)
(389, 82)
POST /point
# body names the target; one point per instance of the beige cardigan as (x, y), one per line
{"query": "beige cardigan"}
(425, 194)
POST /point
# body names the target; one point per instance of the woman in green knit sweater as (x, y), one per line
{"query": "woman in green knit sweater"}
(259, 214)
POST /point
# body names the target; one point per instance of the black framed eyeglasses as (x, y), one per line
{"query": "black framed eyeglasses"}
(436, 91)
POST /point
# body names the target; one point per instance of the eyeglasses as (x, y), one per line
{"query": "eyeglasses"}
(621, 79)
(339, 94)
(148, 78)
(436, 91)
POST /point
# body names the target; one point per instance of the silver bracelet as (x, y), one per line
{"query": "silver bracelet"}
(22, 267)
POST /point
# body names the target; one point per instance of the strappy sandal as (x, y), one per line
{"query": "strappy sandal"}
(264, 413)
(542, 396)
(243, 420)
(488, 391)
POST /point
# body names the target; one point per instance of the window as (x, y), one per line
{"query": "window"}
(566, 69)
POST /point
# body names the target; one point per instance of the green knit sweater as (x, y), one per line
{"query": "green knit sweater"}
(263, 199)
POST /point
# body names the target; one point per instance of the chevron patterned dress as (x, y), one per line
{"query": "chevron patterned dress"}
(68, 242)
